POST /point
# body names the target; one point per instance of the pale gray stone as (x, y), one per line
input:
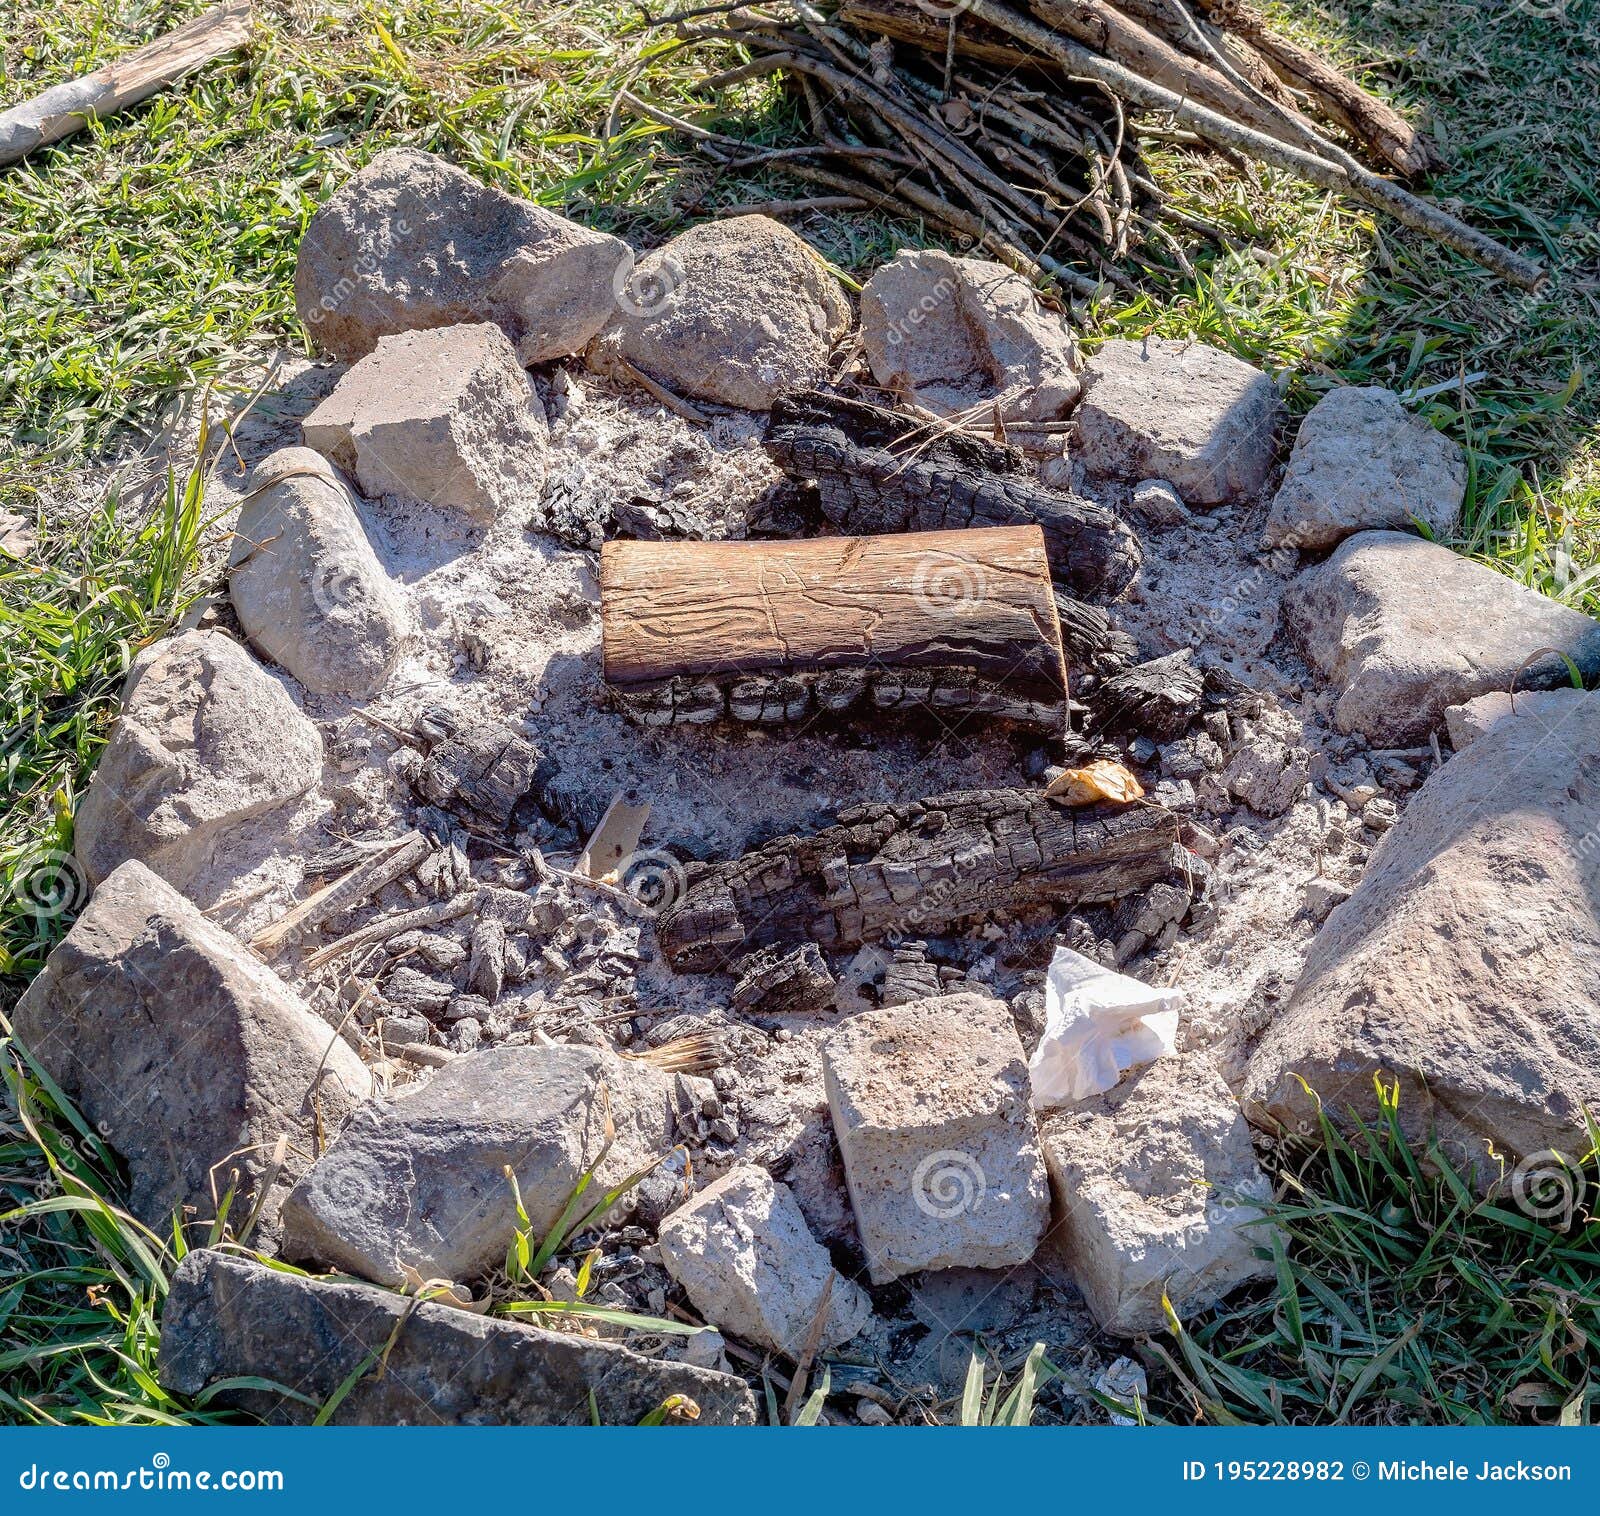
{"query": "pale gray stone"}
(413, 242)
(186, 1052)
(930, 1102)
(1155, 1183)
(952, 333)
(445, 417)
(1547, 709)
(748, 1262)
(233, 1319)
(1199, 418)
(1463, 966)
(1403, 628)
(418, 1181)
(1361, 461)
(206, 741)
(305, 583)
(1159, 503)
(735, 311)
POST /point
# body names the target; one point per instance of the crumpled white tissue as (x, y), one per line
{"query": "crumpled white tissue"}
(1098, 1025)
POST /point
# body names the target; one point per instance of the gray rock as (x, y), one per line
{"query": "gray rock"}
(1404, 628)
(1464, 964)
(1179, 411)
(1267, 775)
(1159, 503)
(746, 1259)
(1155, 1184)
(445, 417)
(419, 1180)
(186, 1052)
(951, 333)
(930, 1103)
(735, 311)
(1549, 709)
(1322, 895)
(230, 1318)
(206, 741)
(412, 242)
(1362, 461)
(305, 583)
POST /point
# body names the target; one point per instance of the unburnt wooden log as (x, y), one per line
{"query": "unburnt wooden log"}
(876, 470)
(770, 632)
(66, 108)
(917, 868)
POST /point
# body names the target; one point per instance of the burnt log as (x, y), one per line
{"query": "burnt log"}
(945, 623)
(1159, 699)
(876, 470)
(478, 769)
(917, 868)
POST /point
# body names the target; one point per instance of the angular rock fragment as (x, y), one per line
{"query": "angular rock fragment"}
(233, 1319)
(412, 242)
(745, 1257)
(780, 981)
(207, 740)
(734, 311)
(930, 1104)
(445, 417)
(1155, 1183)
(188, 1054)
(419, 1181)
(953, 333)
(1404, 628)
(1463, 966)
(306, 585)
(1360, 462)
(1179, 411)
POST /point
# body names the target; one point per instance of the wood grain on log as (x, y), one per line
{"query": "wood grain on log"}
(917, 868)
(66, 108)
(879, 471)
(774, 632)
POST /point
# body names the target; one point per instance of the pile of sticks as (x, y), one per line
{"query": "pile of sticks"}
(1015, 126)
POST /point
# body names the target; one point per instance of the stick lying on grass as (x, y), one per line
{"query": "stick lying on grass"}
(67, 108)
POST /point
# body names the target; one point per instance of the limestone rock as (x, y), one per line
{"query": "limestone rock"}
(230, 1318)
(1180, 411)
(207, 740)
(744, 1255)
(413, 242)
(1362, 461)
(1155, 1182)
(1404, 628)
(185, 1051)
(306, 585)
(930, 1102)
(1464, 963)
(1547, 709)
(734, 311)
(419, 1180)
(446, 417)
(952, 333)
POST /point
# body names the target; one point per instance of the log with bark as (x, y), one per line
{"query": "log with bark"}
(67, 108)
(1014, 126)
(913, 869)
(876, 470)
(945, 623)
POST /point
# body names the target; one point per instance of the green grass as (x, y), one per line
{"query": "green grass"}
(153, 256)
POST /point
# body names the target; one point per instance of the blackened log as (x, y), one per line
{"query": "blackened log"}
(914, 869)
(878, 471)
